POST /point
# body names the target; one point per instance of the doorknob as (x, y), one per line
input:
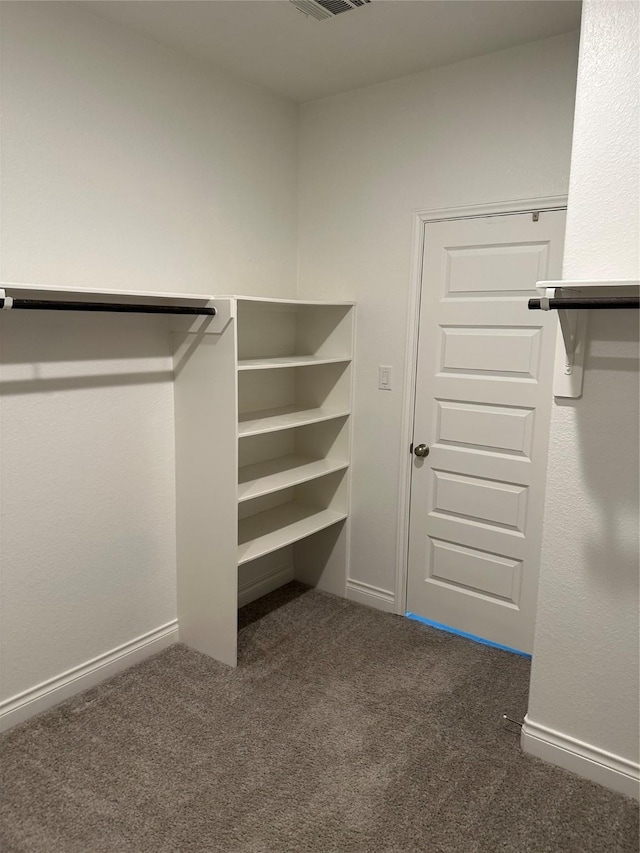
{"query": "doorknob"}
(421, 450)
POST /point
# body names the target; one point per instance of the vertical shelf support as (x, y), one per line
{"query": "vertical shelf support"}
(204, 354)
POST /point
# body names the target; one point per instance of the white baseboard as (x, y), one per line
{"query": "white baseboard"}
(372, 596)
(19, 708)
(581, 758)
(264, 584)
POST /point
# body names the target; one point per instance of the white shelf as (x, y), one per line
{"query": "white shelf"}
(590, 284)
(285, 417)
(263, 478)
(289, 361)
(107, 295)
(262, 301)
(275, 528)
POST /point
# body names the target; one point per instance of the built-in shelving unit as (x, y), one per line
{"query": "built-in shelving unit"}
(262, 403)
(294, 401)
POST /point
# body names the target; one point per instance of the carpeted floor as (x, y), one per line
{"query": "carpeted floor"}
(342, 729)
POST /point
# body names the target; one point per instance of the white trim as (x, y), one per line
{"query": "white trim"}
(581, 758)
(18, 708)
(494, 208)
(265, 584)
(421, 218)
(351, 434)
(371, 596)
(411, 368)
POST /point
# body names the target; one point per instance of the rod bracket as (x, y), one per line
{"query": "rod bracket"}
(568, 318)
(7, 301)
(570, 346)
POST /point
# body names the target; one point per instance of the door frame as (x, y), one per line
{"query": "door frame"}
(421, 219)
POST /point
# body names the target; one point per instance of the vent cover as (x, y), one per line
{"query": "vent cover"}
(321, 9)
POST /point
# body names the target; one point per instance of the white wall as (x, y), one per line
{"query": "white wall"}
(124, 165)
(489, 129)
(585, 665)
(87, 496)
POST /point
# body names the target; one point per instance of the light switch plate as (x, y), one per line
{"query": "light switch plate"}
(384, 377)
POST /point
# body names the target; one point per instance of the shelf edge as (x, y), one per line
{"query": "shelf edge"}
(338, 466)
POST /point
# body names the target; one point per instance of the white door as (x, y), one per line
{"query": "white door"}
(483, 403)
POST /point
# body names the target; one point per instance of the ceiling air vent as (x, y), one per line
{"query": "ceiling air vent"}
(321, 9)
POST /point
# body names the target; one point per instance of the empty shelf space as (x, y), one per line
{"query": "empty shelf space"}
(288, 361)
(285, 417)
(282, 473)
(283, 525)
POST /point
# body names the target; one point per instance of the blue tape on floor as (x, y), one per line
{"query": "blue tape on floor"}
(473, 637)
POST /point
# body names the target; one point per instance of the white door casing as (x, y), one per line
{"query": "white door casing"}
(482, 404)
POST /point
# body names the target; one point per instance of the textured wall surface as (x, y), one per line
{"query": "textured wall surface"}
(603, 213)
(585, 670)
(368, 160)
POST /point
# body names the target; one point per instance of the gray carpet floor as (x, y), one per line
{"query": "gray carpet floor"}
(342, 729)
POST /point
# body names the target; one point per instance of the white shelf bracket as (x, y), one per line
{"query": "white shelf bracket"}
(568, 326)
(570, 346)
(207, 325)
(571, 342)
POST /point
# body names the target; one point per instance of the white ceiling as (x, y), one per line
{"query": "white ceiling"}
(272, 44)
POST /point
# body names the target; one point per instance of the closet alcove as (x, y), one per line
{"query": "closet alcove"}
(262, 403)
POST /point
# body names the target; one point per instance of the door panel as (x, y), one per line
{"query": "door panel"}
(475, 570)
(483, 401)
(498, 351)
(470, 268)
(500, 504)
(497, 428)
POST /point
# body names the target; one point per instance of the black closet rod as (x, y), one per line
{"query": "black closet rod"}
(8, 303)
(588, 302)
